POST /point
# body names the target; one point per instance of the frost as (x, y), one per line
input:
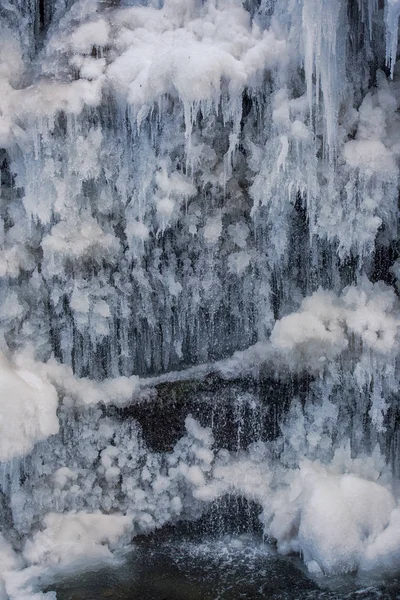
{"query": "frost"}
(323, 326)
(72, 537)
(93, 33)
(27, 410)
(213, 229)
(370, 156)
(331, 519)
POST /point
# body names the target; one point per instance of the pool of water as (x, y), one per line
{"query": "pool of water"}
(166, 567)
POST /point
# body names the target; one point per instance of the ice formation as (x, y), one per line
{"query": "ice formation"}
(194, 189)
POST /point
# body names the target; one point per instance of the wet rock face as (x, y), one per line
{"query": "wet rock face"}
(239, 412)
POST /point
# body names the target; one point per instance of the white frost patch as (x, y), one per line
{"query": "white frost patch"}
(213, 229)
(72, 537)
(119, 391)
(77, 239)
(89, 35)
(28, 405)
(159, 56)
(315, 333)
(337, 522)
(322, 327)
(370, 156)
(383, 554)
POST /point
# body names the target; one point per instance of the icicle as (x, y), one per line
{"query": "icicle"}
(392, 15)
(324, 30)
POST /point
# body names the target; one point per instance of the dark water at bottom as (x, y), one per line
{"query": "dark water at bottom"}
(231, 568)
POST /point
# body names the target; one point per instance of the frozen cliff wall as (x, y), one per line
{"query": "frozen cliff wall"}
(188, 189)
(175, 178)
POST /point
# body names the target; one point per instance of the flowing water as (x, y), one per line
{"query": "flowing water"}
(175, 567)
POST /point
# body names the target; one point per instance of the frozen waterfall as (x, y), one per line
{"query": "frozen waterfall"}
(199, 206)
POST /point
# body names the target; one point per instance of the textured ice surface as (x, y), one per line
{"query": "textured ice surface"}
(27, 410)
(194, 189)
